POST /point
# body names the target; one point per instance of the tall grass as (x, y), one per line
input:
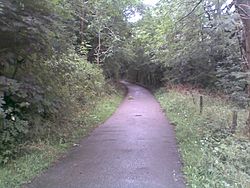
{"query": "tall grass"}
(212, 157)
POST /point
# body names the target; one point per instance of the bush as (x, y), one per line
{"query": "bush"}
(41, 107)
(12, 133)
(16, 100)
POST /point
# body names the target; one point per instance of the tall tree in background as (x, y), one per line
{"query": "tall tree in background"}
(243, 8)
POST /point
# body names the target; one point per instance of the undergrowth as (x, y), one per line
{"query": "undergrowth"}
(40, 155)
(212, 157)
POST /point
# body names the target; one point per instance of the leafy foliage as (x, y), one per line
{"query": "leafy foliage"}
(46, 75)
(25, 108)
(194, 42)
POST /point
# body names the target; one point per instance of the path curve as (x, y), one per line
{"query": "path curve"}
(135, 148)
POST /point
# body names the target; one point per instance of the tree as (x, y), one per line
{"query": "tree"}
(243, 8)
(190, 39)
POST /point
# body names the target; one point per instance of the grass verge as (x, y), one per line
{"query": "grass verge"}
(41, 155)
(212, 157)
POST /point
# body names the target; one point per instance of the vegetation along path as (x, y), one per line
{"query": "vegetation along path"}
(136, 147)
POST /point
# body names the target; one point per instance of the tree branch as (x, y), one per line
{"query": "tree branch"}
(241, 9)
(194, 8)
(242, 12)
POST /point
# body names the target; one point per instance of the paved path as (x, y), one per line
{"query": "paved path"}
(135, 148)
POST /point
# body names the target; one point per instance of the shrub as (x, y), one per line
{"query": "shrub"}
(41, 107)
(12, 133)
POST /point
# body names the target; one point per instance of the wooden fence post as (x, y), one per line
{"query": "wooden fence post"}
(201, 104)
(234, 122)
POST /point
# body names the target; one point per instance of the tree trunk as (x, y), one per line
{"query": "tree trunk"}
(83, 25)
(99, 48)
(243, 8)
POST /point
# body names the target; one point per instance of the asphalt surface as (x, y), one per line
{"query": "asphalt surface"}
(135, 148)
